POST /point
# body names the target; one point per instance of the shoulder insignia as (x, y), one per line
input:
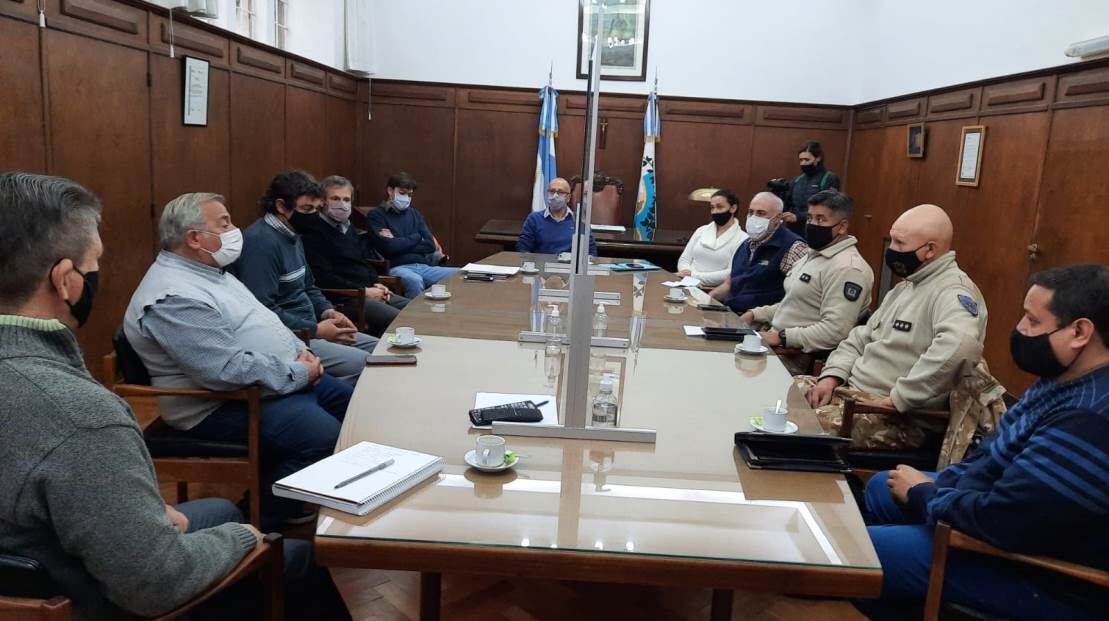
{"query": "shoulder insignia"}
(969, 304)
(902, 326)
(805, 277)
(852, 291)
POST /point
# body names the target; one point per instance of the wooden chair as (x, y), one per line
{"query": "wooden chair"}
(814, 361)
(25, 582)
(179, 457)
(868, 461)
(947, 538)
(607, 192)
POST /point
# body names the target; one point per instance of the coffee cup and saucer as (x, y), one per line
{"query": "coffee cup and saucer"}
(491, 455)
(676, 295)
(529, 267)
(752, 344)
(404, 338)
(773, 420)
(438, 292)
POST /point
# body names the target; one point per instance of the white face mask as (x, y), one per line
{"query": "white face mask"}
(338, 211)
(401, 201)
(231, 246)
(756, 226)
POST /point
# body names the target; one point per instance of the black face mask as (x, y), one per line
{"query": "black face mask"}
(722, 218)
(301, 220)
(818, 236)
(1033, 354)
(903, 263)
(82, 308)
(808, 168)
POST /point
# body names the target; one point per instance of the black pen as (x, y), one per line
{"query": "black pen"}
(383, 465)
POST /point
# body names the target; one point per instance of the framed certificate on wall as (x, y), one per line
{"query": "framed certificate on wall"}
(970, 155)
(196, 92)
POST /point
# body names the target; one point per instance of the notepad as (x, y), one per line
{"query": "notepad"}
(316, 483)
(688, 281)
(485, 268)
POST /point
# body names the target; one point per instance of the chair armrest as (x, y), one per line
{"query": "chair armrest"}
(851, 407)
(392, 283)
(110, 371)
(346, 293)
(136, 390)
(359, 298)
(963, 541)
(265, 560)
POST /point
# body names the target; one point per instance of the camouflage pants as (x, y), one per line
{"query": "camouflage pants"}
(871, 431)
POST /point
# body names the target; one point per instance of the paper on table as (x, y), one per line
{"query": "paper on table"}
(608, 227)
(490, 399)
(688, 281)
(693, 331)
(320, 478)
(485, 268)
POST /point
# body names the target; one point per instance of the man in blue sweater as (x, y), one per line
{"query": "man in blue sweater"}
(405, 239)
(1037, 486)
(551, 231)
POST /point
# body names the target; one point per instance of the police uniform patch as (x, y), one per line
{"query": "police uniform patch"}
(969, 304)
(805, 277)
(902, 326)
(852, 291)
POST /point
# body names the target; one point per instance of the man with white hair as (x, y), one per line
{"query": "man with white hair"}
(761, 263)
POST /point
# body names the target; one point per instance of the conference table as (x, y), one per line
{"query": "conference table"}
(684, 511)
(663, 248)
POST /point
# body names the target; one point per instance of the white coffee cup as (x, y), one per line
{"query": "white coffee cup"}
(752, 343)
(677, 293)
(529, 266)
(774, 418)
(490, 450)
(438, 290)
(406, 335)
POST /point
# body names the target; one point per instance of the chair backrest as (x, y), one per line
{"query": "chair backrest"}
(606, 197)
(128, 361)
(25, 577)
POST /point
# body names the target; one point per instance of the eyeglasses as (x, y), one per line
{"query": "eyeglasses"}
(562, 193)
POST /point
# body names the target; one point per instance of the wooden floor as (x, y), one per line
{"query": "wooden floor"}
(373, 595)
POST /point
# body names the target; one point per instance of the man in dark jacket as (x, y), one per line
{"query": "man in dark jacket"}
(339, 255)
(406, 239)
(1037, 486)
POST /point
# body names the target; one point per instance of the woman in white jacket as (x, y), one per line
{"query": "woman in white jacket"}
(708, 255)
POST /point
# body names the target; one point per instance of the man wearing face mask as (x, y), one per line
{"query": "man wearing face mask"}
(274, 268)
(827, 289)
(339, 255)
(909, 354)
(814, 178)
(405, 239)
(194, 325)
(1036, 486)
(760, 265)
(551, 231)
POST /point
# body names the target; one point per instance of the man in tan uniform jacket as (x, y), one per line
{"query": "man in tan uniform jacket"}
(827, 289)
(908, 355)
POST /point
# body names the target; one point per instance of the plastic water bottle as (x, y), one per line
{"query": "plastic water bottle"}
(554, 321)
(604, 405)
(600, 321)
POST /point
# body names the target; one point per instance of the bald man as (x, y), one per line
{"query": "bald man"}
(761, 262)
(551, 231)
(909, 355)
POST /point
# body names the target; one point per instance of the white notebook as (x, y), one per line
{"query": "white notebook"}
(316, 483)
(485, 268)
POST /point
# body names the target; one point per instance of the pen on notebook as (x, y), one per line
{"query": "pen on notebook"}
(383, 465)
(542, 403)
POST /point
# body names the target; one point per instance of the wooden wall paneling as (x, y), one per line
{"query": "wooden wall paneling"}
(188, 158)
(996, 226)
(954, 104)
(100, 137)
(102, 19)
(881, 183)
(257, 142)
(1083, 88)
(934, 174)
(189, 41)
(715, 112)
(306, 75)
(502, 100)
(22, 133)
(494, 174)
(802, 116)
(697, 155)
(906, 111)
(249, 59)
(869, 117)
(25, 9)
(412, 94)
(340, 138)
(306, 130)
(419, 139)
(342, 86)
(1029, 95)
(775, 155)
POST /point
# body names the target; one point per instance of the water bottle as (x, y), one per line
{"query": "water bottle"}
(600, 321)
(604, 405)
(554, 321)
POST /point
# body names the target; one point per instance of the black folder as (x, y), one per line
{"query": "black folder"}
(773, 451)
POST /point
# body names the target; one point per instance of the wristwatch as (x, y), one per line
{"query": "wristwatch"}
(782, 337)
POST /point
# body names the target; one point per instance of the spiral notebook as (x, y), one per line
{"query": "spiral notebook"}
(318, 483)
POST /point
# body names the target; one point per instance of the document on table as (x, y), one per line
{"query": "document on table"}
(485, 268)
(616, 228)
(693, 331)
(490, 399)
(688, 281)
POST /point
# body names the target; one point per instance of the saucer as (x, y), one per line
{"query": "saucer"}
(761, 350)
(392, 340)
(791, 427)
(676, 300)
(529, 272)
(445, 296)
(471, 461)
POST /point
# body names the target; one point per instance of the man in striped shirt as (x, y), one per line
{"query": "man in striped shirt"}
(1037, 486)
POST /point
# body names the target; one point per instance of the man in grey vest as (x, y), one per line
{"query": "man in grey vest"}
(196, 326)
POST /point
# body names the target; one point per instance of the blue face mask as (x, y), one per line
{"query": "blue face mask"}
(401, 201)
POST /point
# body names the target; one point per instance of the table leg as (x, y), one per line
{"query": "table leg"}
(722, 604)
(430, 584)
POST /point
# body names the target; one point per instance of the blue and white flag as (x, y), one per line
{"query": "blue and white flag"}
(545, 169)
(646, 220)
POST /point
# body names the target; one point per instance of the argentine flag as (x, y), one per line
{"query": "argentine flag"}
(646, 220)
(545, 169)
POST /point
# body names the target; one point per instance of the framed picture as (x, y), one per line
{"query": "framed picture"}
(970, 155)
(915, 140)
(196, 92)
(623, 26)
